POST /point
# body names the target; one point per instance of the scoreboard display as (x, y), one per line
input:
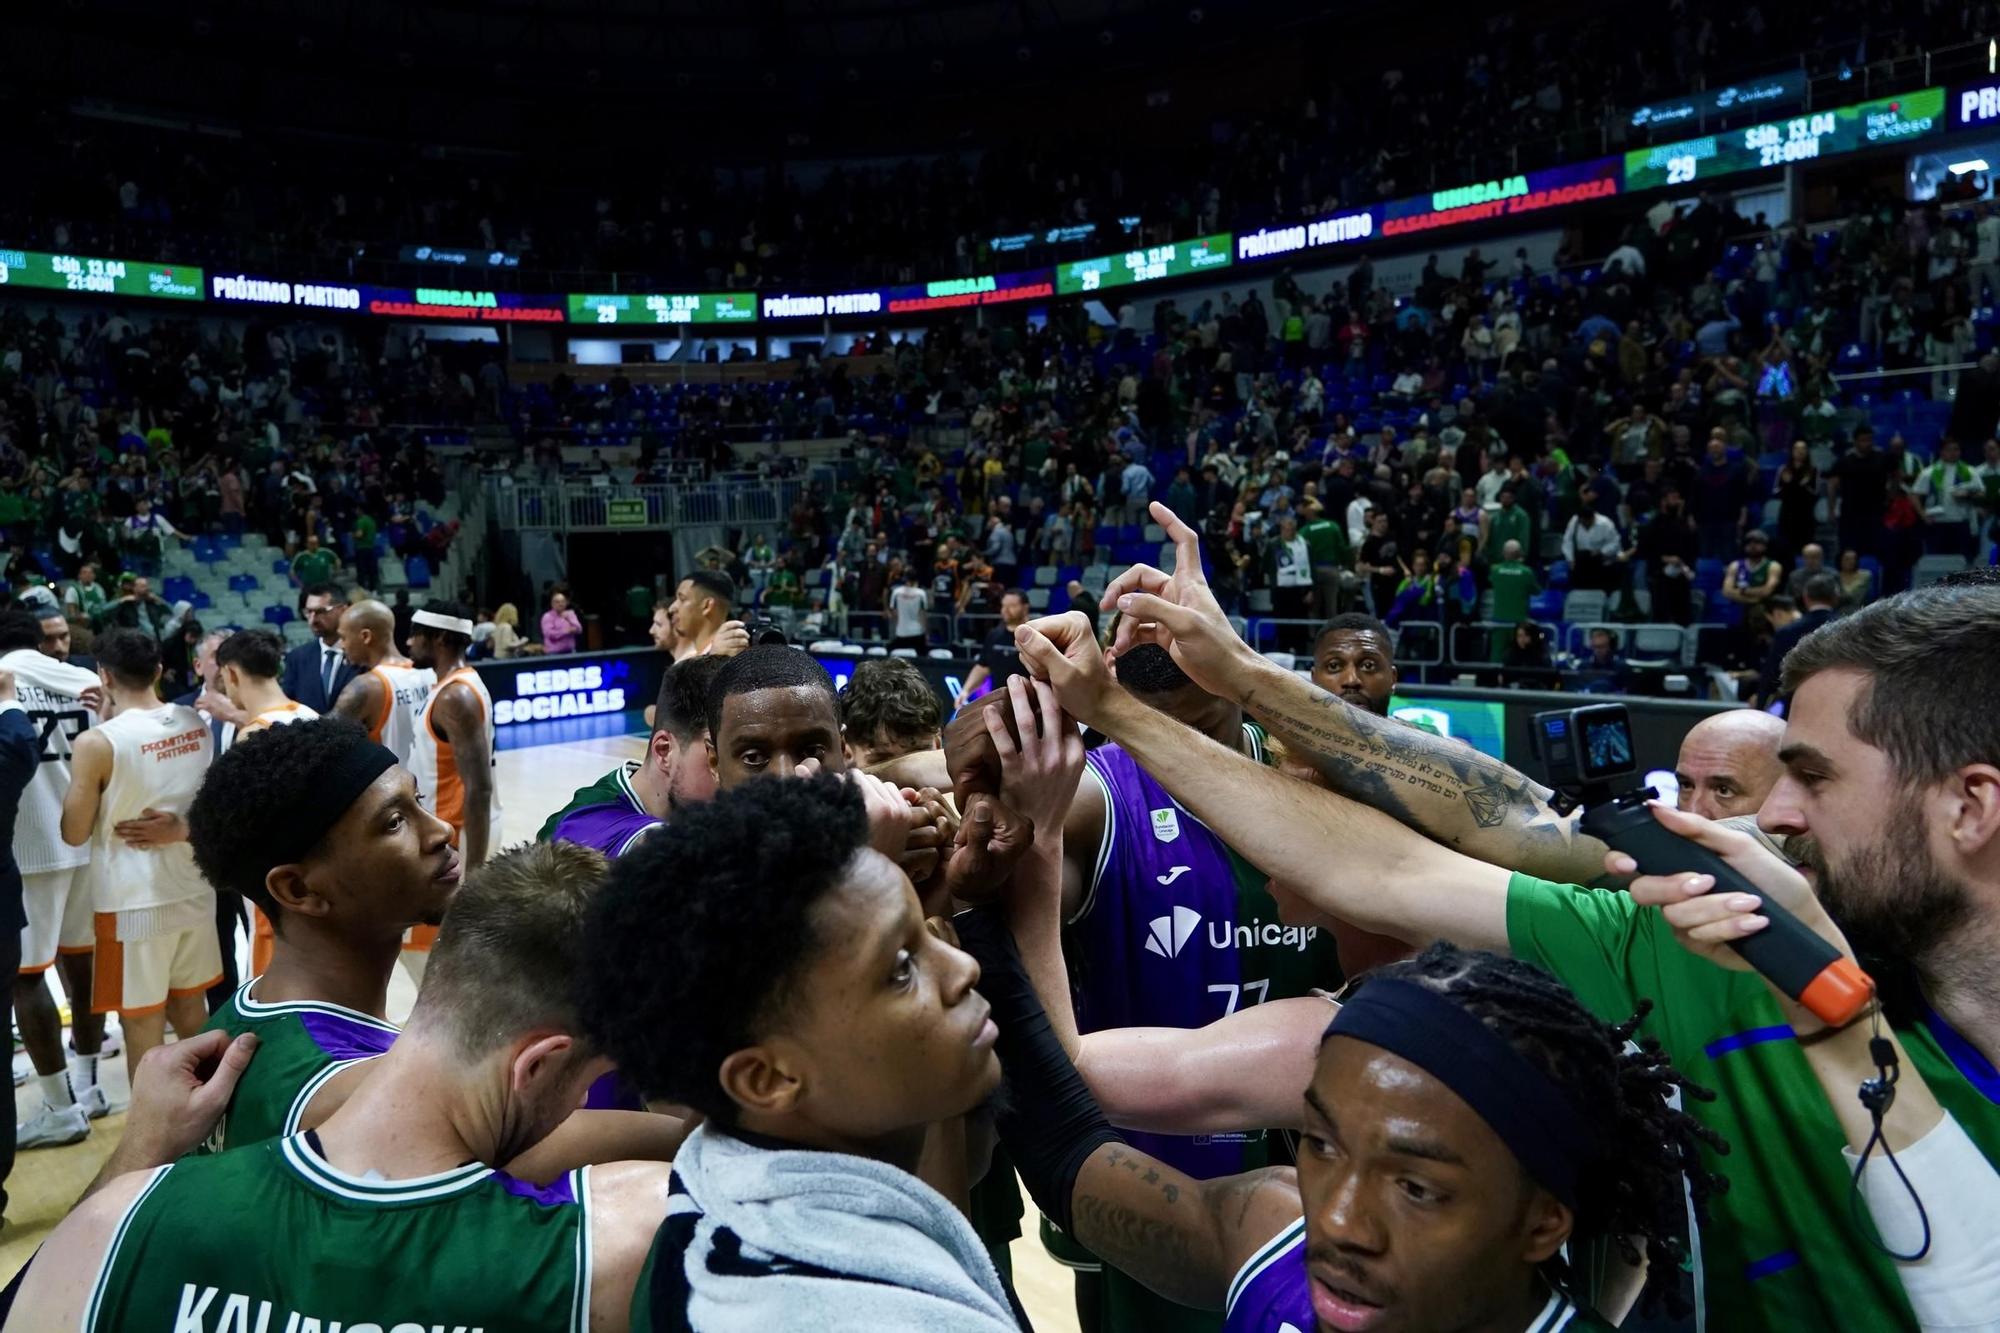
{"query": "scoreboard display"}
(1147, 265)
(652, 308)
(105, 277)
(1778, 143)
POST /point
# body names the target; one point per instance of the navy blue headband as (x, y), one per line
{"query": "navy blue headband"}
(1521, 1104)
(337, 785)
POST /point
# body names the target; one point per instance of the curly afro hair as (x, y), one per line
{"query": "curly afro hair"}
(700, 932)
(241, 820)
(1635, 1192)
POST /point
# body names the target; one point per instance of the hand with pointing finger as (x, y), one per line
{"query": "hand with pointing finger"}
(1063, 651)
(1178, 612)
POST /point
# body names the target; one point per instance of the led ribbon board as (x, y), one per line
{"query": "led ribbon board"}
(822, 307)
(461, 303)
(958, 293)
(1777, 143)
(1503, 197)
(655, 308)
(105, 277)
(1150, 264)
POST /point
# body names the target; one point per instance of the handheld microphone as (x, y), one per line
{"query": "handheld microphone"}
(1791, 957)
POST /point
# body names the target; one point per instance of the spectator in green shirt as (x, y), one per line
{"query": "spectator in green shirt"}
(1331, 553)
(1509, 523)
(784, 587)
(314, 564)
(85, 598)
(1514, 585)
(367, 562)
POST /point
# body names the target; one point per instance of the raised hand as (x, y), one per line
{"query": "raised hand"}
(1041, 755)
(1707, 923)
(1063, 651)
(990, 841)
(1177, 611)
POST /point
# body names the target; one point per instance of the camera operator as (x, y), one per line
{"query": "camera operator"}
(1891, 797)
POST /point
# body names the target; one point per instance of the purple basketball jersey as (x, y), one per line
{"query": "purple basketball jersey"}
(610, 829)
(1156, 940)
(1271, 1293)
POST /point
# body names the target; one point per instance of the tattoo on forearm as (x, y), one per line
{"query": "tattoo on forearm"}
(1409, 774)
(1163, 1251)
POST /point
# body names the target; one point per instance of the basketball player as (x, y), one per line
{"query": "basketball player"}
(772, 712)
(155, 917)
(247, 664)
(1354, 656)
(324, 834)
(700, 614)
(60, 700)
(388, 694)
(635, 798)
(390, 1214)
(1169, 928)
(1466, 1120)
(452, 756)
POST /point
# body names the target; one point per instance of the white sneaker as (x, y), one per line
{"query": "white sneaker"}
(94, 1103)
(52, 1128)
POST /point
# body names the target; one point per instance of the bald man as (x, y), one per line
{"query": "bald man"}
(389, 693)
(1729, 763)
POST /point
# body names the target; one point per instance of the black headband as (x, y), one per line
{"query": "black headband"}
(1532, 1116)
(336, 786)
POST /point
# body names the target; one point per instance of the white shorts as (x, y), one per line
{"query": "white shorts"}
(58, 907)
(149, 955)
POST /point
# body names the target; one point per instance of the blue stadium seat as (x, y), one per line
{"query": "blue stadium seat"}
(277, 616)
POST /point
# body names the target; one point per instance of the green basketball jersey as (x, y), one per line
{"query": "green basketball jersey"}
(1779, 1250)
(273, 1239)
(300, 1045)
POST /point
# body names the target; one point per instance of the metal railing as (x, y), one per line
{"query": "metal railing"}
(581, 506)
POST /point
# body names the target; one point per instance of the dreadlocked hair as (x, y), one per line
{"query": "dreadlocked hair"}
(1648, 1145)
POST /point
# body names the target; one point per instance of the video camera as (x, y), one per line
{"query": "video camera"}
(1584, 750)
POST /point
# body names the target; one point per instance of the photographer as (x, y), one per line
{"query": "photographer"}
(1910, 877)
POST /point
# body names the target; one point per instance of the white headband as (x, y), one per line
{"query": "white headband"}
(456, 624)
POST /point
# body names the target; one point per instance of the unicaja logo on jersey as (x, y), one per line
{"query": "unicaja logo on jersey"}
(1168, 935)
(1167, 824)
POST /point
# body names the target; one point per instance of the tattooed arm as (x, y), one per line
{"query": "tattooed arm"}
(1182, 1237)
(1443, 788)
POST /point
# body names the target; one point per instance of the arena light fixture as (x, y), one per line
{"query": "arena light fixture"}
(1967, 167)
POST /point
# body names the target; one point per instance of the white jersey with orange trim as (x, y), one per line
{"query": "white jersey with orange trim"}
(440, 785)
(284, 714)
(50, 691)
(405, 691)
(158, 759)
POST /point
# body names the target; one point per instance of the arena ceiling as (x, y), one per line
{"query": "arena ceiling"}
(472, 70)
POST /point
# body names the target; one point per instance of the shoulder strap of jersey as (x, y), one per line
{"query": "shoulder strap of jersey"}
(381, 676)
(98, 1289)
(1269, 1253)
(437, 694)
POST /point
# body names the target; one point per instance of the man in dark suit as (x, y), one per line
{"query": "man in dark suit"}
(315, 672)
(1820, 596)
(20, 755)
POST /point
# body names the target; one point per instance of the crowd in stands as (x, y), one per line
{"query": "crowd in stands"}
(1662, 435)
(1477, 99)
(120, 441)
